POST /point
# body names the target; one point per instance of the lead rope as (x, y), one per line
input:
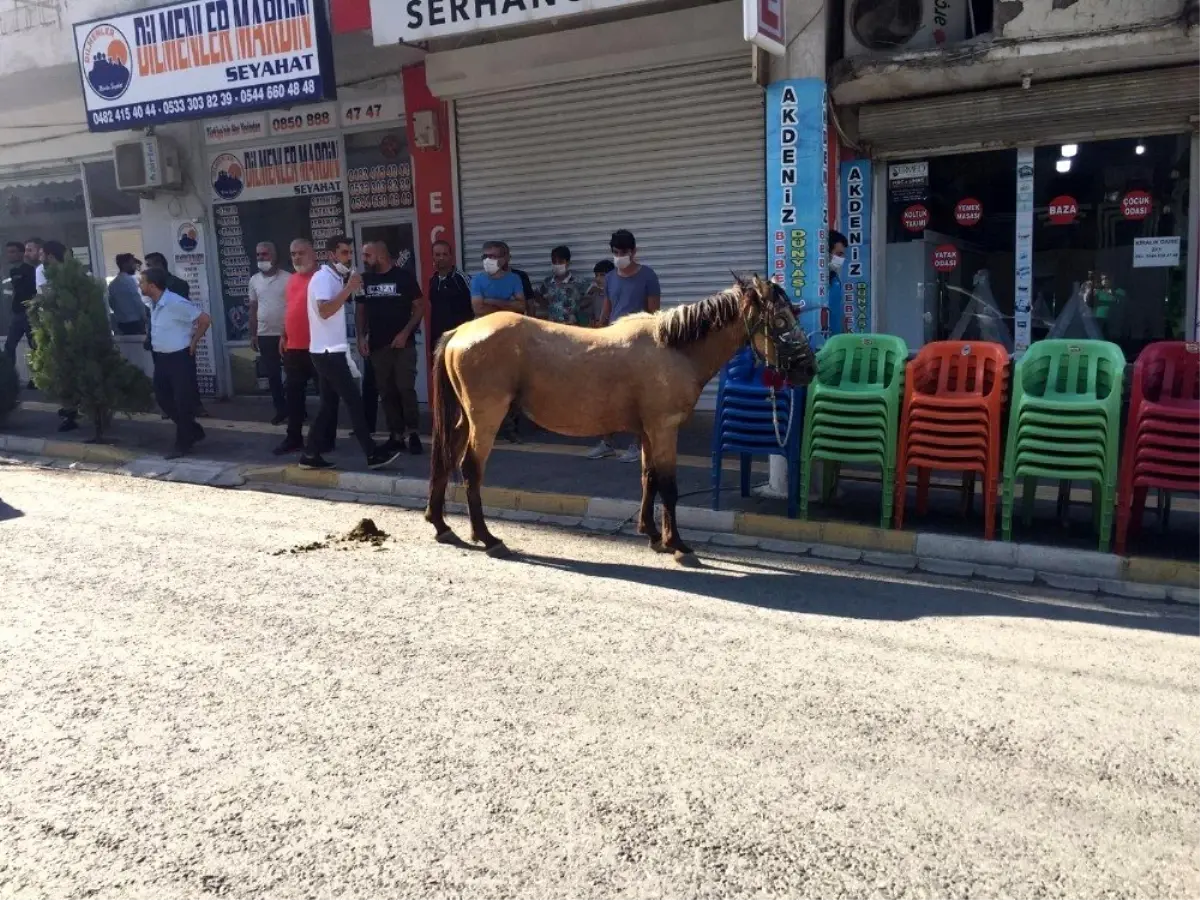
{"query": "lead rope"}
(783, 441)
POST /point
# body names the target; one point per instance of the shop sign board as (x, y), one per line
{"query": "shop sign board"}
(304, 119)
(235, 129)
(908, 182)
(797, 198)
(1063, 210)
(915, 218)
(945, 258)
(189, 261)
(762, 25)
(1136, 205)
(406, 21)
(1023, 262)
(294, 169)
(968, 212)
(203, 58)
(856, 271)
(378, 111)
(1156, 252)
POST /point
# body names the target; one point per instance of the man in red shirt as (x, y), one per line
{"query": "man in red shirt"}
(293, 344)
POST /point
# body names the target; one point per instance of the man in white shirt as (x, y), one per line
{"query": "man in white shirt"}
(328, 292)
(268, 302)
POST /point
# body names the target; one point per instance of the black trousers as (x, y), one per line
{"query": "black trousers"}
(18, 328)
(370, 395)
(268, 349)
(337, 385)
(177, 394)
(131, 328)
(298, 367)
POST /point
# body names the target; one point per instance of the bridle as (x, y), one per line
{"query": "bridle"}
(790, 342)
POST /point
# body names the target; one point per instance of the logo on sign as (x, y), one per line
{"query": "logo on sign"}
(915, 218)
(945, 257)
(106, 56)
(1063, 210)
(968, 212)
(1136, 205)
(187, 237)
(227, 176)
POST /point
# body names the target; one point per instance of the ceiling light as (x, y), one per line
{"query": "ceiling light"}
(1063, 166)
(1069, 150)
(1139, 149)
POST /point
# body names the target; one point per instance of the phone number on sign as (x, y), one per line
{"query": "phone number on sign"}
(196, 106)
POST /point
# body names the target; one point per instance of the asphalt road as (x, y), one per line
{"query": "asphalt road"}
(185, 713)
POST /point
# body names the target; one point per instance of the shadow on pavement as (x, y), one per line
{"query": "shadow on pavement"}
(848, 596)
(9, 512)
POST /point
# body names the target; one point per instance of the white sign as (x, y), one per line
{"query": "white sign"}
(906, 171)
(188, 262)
(235, 129)
(296, 169)
(1156, 252)
(303, 119)
(762, 25)
(1023, 263)
(381, 111)
(394, 21)
(202, 58)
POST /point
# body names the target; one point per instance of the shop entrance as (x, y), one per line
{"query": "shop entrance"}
(398, 231)
(111, 239)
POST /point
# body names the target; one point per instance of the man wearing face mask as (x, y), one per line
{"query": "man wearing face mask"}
(837, 259)
(268, 305)
(496, 289)
(328, 292)
(563, 293)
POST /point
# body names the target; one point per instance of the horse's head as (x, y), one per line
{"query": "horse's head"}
(775, 336)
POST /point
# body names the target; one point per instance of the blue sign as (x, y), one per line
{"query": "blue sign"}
(854, 304)
(797, 214)
(203, 58)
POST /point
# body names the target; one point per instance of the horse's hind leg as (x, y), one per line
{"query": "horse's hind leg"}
(479, 448)
(646, 524)
(663, 453)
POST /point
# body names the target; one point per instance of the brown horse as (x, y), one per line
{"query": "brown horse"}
(642, 375)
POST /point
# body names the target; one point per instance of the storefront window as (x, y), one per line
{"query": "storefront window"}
(379, 171)
(1110, 240)
(104, 198)
(949, 257)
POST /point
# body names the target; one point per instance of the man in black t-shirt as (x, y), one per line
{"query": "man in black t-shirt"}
(24, 288)
(387, 319)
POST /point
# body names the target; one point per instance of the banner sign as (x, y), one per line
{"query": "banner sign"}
(797, 217)
(282, 170)
(856, 271)
(203, 58)
(188, 261)
(762, 25)
(1023, 306)
(407, 21)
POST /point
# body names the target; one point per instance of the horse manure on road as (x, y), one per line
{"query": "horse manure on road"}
(365, 532)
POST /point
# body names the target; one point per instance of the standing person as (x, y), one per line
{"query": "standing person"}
(268, 305)
(593, 301)
(837, 259)
(331, 287)
(293, 345)
(630, 288)
(498, 289)
(21, 272)
(562, 293)
(449, 294)
(125, 297)
(175, 285)
(391, 310)
(54, 252)
(177, 329)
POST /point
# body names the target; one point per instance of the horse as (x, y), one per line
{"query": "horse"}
(642, 374)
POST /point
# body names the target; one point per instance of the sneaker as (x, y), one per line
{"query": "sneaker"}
(632, 455)
(288, 447)
(200, 434)
(601, 451)
(315, 462)
(279, 418)
(382, 457)
(414, 444)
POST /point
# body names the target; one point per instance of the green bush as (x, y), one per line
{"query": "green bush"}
(77, 361)
(10, 386)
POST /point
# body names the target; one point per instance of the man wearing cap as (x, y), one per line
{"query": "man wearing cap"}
(125, 297)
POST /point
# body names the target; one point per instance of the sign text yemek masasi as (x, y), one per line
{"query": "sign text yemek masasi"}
(201, 59)
(421, 20)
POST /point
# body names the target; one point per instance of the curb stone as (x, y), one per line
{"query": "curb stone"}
(936, 554)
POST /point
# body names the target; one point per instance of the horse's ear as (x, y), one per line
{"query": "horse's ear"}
(740, 280)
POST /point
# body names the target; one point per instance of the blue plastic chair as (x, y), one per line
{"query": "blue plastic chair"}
(746, 425)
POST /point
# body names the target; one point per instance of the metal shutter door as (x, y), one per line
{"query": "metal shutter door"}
(681, 165)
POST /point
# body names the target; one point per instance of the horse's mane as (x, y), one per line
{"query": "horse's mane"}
(692, 322)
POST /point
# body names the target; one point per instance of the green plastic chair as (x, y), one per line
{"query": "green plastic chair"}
(1065, 425)
(852, 412)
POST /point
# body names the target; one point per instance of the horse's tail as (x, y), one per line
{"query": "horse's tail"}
(446, 452)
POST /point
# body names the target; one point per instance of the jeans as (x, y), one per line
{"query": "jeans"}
(396, 376)
(268, 348)
(337, 384)
(298, 366)
(177, 394)
(17, 329)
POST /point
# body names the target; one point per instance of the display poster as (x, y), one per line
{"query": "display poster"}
(908, 182)
(292, 169)
(203, 58)
(189, 262)
(1156, 252)
(856, 271)
(235, 129)
(1023, 255)
(797, 214)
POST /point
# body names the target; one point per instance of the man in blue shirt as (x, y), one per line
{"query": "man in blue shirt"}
(125, 297)
(176, 327)
(499, 289)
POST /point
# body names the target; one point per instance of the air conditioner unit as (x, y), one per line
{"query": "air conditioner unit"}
(146, 165)
(884, 27)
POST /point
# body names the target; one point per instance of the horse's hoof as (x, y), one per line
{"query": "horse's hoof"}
(657, 546)
(688, 560)
(446, 537)
(498, 551)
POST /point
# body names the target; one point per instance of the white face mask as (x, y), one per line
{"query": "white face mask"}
(622, 262)
(491, 266)
(264, 266)
(341, 268)
(836, 263)
(559, 269)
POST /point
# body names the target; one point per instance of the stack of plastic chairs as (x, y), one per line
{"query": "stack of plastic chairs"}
(1162, 437)
(750, 423)
(951, 421)
(853, 412)
(1065, 425)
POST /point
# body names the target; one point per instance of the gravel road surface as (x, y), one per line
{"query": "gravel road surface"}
(187, 712)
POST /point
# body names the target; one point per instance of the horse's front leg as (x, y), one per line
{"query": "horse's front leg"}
(664, 457)
(646, 524)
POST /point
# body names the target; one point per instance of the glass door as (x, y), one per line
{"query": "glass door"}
(111, 239)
